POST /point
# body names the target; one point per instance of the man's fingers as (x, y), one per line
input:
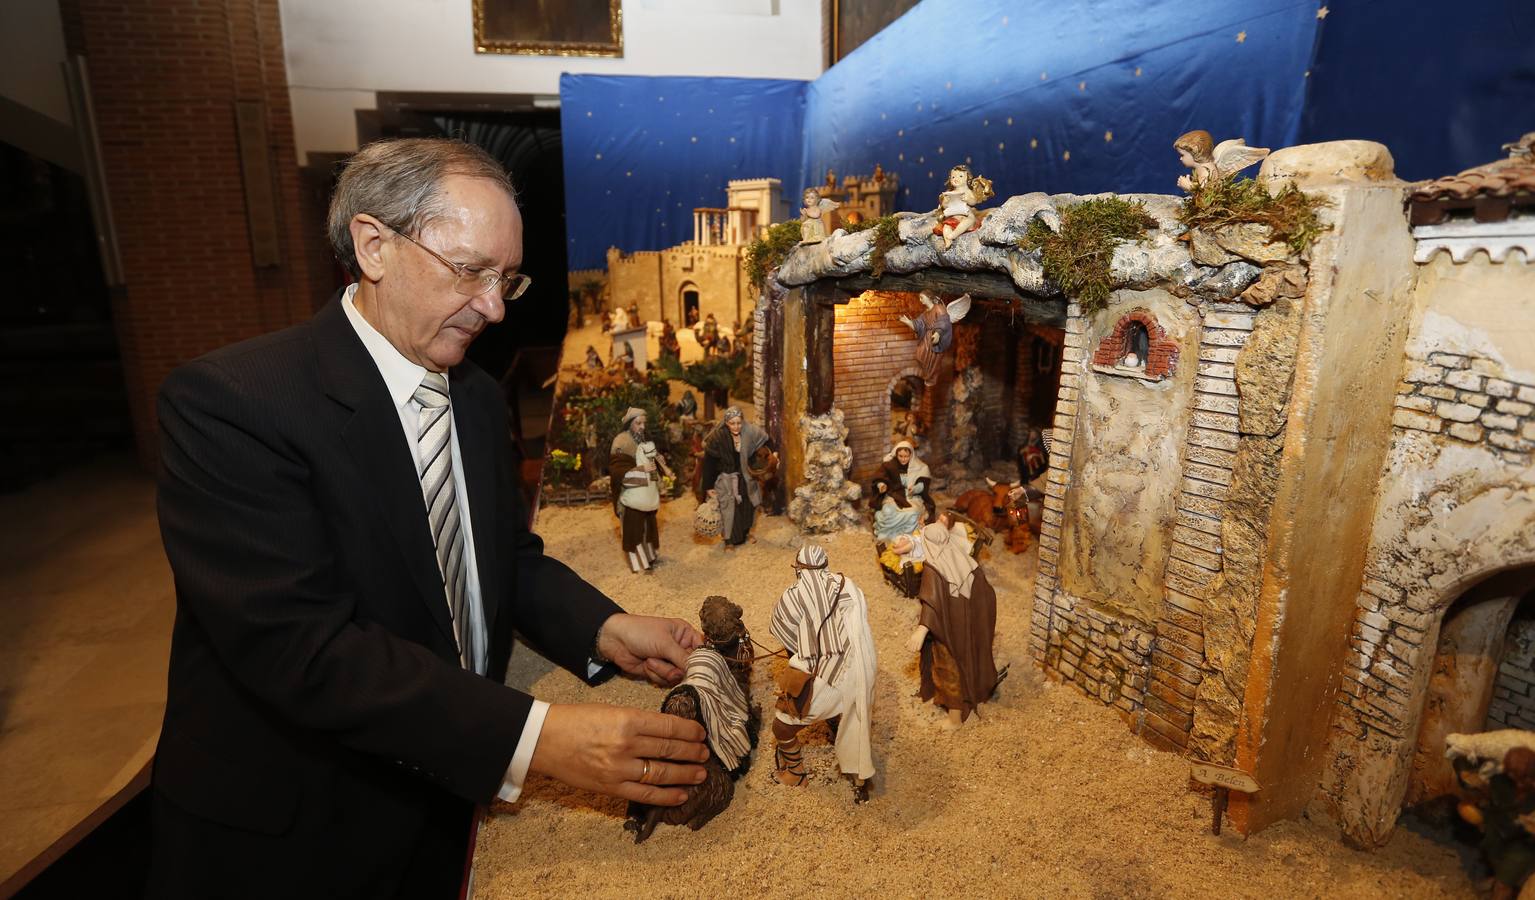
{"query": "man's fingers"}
(656, 724)
(655, 796)
(656, 748)
(662, 671)
(689, 637)
(667, 773)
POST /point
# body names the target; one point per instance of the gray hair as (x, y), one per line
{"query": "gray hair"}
(400, 182)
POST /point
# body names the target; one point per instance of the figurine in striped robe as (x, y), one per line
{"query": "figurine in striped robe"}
(711, 695)
(823, 622)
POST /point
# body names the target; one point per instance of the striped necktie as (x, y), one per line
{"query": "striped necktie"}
(433, 438)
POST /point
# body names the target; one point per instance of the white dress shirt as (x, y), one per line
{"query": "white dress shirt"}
(402, 377)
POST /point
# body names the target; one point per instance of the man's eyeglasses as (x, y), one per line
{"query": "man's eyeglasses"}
(472, 281)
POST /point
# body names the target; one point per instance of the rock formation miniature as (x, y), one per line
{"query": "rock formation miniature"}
(823, 502)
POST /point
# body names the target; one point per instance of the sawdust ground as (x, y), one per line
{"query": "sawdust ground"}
(1047, 795)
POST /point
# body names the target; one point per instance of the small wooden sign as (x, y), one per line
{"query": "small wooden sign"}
(1225, 780)
(1225, 777)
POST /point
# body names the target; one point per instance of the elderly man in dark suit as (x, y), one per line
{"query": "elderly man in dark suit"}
(351, 559)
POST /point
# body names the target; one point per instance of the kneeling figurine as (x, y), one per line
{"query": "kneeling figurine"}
(715, 693)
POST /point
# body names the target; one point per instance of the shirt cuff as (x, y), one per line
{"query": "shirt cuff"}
(517, 771)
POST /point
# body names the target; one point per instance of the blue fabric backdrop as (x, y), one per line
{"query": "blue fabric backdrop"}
(1082, 97)
(1065, 96)
(1442, 84)
(641, 153)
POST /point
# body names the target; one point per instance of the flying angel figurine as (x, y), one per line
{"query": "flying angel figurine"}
(935, 331)
(1208, 160)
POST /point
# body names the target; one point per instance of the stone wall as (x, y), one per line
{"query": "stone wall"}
(1513, 694)
(1456, 505)
(1193, 609)
(1453, 394)
(1117, 543)
(1152, 666)
(1103, 653)
(967, 400)
(635, 278)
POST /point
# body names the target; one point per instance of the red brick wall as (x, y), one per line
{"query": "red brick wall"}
(165, 76)
(871, 348)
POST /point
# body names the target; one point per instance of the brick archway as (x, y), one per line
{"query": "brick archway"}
(923, 407)
(1161, 351)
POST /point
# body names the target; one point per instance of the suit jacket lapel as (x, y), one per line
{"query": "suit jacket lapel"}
(476, 447)
(379, 448)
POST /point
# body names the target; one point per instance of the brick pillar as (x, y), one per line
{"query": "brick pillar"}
(1197, 556)
(165, 78)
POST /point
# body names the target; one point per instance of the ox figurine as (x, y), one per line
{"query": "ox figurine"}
(998, 508)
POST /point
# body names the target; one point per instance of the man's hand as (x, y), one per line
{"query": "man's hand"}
(630, 753)
(648, 646)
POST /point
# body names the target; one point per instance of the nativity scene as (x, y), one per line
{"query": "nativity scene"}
(877, 449)
(1078, 503)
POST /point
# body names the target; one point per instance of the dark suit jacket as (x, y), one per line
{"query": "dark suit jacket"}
(319, 732)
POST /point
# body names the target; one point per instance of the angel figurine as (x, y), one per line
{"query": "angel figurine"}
(935, 331)
(956, 205)
(1208, 160)
(812, 228)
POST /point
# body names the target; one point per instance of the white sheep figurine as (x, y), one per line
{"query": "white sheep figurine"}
(1488, 748)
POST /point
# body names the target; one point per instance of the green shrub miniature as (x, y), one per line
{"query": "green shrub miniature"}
(1289, 215)
(1077, 257)
(767, 252)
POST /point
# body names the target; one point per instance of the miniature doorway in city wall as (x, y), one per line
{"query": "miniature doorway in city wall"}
(1480, 679)
(690, 314)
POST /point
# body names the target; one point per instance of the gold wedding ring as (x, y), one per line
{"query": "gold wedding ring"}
(646, 773)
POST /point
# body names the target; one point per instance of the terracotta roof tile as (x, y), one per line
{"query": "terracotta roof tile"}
(1491, 192)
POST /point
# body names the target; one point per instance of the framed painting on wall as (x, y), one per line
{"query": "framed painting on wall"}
(549, 27)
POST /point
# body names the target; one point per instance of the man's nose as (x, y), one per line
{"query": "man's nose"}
(490, 305)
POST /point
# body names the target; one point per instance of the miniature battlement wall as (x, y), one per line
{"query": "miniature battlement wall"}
(659, 281)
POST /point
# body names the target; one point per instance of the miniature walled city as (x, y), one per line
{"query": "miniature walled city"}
(1043, 522)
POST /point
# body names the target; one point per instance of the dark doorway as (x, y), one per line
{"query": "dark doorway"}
(908, 410)
(1045, 358)
(61, 378)
(689, 308)
(1137, 344)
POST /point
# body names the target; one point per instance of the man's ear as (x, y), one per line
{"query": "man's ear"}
(368, 236)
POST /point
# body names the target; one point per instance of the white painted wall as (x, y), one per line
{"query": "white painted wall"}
(340, 52)
(31, 53)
